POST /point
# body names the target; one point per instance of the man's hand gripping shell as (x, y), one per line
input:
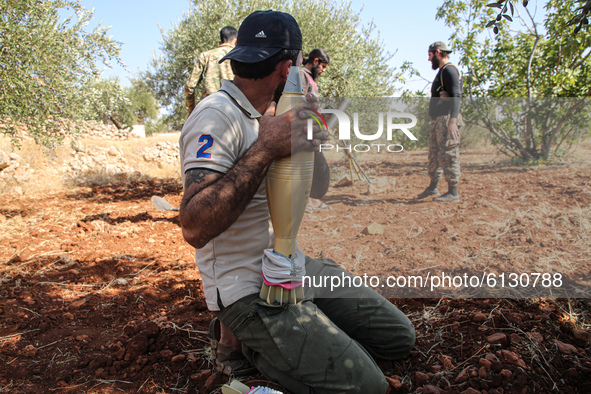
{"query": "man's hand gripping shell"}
(286, 134)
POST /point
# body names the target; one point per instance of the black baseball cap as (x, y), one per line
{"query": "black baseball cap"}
(264, 33)
(439, 45)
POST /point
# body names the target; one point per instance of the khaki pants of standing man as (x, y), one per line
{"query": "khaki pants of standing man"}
(444, 156)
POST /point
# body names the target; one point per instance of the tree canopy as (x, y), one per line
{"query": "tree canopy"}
(122, 106)
(537, 62)
(578, 18)
(358, 65)
(48, 64)
(144, 107)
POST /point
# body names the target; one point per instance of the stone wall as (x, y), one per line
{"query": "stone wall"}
(97, 160)
(14, 171)
(163, 151)
(86, 163)
(110, 132)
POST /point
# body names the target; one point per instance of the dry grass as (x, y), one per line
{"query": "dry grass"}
(19, 222)
(570, 229)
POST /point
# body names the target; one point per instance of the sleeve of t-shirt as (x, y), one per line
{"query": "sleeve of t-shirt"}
(453, 86)
(210, 141)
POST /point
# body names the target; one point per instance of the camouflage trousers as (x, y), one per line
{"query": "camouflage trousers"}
(326, 343)
(444, 157)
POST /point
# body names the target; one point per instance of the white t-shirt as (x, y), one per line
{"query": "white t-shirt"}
(218, 133)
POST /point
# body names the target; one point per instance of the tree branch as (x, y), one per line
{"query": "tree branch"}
(117, 124)
(575, 66)
(568, 114)
(531, 57)
(529, 136)
(564, 136)
(489, 125)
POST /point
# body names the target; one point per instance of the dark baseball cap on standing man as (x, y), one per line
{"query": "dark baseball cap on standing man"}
(264, 33)
(439, 45)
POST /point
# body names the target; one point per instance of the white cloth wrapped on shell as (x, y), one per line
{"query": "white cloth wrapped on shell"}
(280, 269)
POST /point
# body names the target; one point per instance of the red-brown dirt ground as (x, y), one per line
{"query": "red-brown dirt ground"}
(99, 292)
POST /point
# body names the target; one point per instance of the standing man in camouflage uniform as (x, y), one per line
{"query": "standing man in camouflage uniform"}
(444, 109)
(208, 71)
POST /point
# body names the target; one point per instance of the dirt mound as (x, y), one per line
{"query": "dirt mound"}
(99, 292)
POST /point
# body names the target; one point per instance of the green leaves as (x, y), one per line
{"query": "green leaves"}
(577, 15)
(47, 60)
(533, 63)
(358, 64)
(501, 5)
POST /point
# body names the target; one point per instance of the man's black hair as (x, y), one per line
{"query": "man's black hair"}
(227, 34)
(264, 68)
(318, 53)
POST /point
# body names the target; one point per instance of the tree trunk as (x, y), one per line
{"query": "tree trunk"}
(117, 124)
(547, 143)
(525, 153)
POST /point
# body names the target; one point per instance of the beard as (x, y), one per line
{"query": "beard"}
(278, 91)
(435, 63)
(314, 72)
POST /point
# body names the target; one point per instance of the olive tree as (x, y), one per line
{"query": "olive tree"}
(47, 60)
(529, 86)
(359, 62)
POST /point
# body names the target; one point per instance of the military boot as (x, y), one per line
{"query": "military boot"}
(427, 192)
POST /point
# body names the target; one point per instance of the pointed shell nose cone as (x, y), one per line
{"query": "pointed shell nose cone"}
(294, 81)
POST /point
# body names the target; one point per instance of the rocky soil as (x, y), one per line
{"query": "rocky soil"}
(99, 293)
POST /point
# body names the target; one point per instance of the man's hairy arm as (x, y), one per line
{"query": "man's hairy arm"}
(205, 213)
(213, 201)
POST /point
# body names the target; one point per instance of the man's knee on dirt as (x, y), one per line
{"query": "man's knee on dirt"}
(401, 342)
(389, 334)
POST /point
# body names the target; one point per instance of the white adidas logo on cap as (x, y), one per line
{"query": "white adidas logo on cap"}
(261, 34)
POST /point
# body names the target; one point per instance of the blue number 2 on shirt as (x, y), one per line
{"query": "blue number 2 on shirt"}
(208, 139)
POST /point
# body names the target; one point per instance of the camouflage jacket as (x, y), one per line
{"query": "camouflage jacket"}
(208, 72)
